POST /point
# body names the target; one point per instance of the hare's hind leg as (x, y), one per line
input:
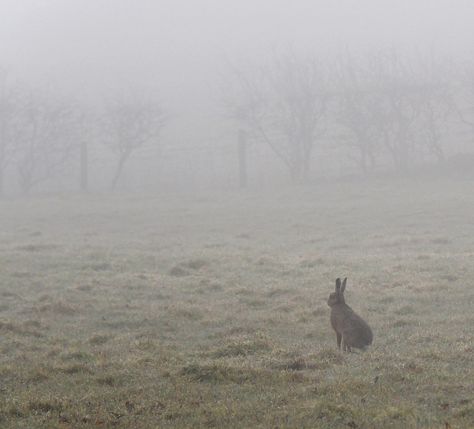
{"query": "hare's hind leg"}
(339, 339)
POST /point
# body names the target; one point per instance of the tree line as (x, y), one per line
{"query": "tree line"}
(378, 107)
(383, 105)
(42, 132)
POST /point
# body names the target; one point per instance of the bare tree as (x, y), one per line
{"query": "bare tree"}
(437, 104)
(394, 103)
(88, 124)
(465, 96)
(417, 103)
(46, 136)
(354, 110)
(283, 103)
(130, 123)
(397, 105)
(8, 125)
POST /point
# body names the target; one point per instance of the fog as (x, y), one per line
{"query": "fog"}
(184, 55)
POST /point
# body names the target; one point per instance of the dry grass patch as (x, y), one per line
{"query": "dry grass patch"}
(187, 268)
(243, 346)
(37, 247)
(217, 373)
(99, 339)
(59, 307)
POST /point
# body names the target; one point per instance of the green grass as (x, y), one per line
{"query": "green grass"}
(209, 311)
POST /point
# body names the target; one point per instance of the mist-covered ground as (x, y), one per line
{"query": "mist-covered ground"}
(209, 310)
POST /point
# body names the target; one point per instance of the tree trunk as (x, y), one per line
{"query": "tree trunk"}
(84, 167)
(118, 172)
(306, 165)
(25, 181)
(25, 186)
(2, 176)
(2, 182)
(296, 165)
(363, 157)
(372, 159)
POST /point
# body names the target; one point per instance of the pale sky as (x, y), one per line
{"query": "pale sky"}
(173, 47)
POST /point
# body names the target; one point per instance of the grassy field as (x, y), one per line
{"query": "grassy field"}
(210, 311)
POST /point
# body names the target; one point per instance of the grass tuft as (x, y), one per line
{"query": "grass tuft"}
(243, 347)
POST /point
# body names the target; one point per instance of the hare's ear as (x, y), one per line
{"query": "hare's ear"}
(338, 284)
(343, 287)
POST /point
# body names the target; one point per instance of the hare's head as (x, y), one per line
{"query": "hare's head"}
(337, 297)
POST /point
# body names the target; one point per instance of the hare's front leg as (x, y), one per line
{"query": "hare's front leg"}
(339, 339)
(345, 347)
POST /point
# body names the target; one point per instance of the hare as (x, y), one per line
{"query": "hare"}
(350, 328)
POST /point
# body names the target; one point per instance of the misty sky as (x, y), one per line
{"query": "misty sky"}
(93, 47)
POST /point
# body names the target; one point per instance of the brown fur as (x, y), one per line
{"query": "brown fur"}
(351, 330)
